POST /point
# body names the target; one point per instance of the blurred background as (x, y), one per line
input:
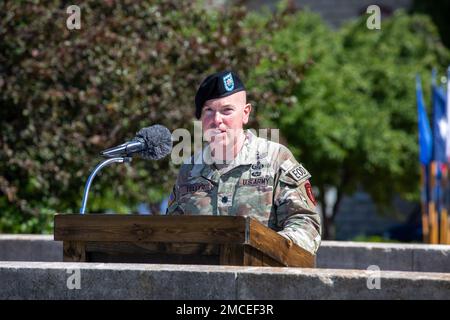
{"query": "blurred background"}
(342, 95)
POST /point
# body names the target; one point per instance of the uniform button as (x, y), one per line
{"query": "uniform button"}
(225, 199)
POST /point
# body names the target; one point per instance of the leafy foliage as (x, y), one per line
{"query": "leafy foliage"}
(344, 101)
(353, 118)
(67, 94)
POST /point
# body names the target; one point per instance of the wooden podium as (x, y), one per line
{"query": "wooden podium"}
(222, 240)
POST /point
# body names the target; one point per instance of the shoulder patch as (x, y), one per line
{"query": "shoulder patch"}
(310, 193)
(287, 165)
(299, 173)
(296, 175)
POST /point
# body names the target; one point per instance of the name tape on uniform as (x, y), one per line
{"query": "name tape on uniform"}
(263, 181)
(195, 187)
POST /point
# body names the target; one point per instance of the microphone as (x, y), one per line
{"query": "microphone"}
(151, 143)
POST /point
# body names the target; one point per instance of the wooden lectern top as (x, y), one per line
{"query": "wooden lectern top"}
(226, 240)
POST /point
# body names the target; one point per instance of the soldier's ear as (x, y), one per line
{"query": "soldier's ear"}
(247, 110)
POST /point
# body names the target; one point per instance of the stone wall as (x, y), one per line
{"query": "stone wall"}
(52, 280)
(332, 254)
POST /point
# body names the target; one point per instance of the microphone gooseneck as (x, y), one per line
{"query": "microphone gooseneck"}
(151, 143)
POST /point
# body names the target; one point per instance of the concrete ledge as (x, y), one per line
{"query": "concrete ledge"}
(387, 256)
(30, 247)
(332, 254)
(48, 280)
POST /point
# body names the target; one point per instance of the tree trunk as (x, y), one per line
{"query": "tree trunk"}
(329, 228)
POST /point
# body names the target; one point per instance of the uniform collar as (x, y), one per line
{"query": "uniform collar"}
(250, 153)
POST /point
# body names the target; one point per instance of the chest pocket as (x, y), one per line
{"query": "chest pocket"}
(196, 197)
(259, 177)
(254, 192)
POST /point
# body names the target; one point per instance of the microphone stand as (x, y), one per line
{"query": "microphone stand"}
(102, 164)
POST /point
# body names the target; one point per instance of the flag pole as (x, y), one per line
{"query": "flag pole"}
(435, 187)
(424, 204)
(425, 156)
(432, 205)
(444, 213)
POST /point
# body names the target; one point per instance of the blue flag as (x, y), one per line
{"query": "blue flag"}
(440, 125)
(448, 115)
(425, 137)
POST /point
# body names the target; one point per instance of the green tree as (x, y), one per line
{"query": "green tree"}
(67, 94)
(344, 101)
(352, 117)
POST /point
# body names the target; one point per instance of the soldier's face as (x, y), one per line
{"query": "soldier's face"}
(223, 119)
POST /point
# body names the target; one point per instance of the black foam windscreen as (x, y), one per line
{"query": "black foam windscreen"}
(158, 140)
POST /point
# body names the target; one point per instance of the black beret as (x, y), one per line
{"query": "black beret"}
(217, 85)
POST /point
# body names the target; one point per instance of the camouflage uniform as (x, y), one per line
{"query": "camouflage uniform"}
(263, 181)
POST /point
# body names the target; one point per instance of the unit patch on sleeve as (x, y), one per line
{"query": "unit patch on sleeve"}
(299, 173)
(310, 193)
